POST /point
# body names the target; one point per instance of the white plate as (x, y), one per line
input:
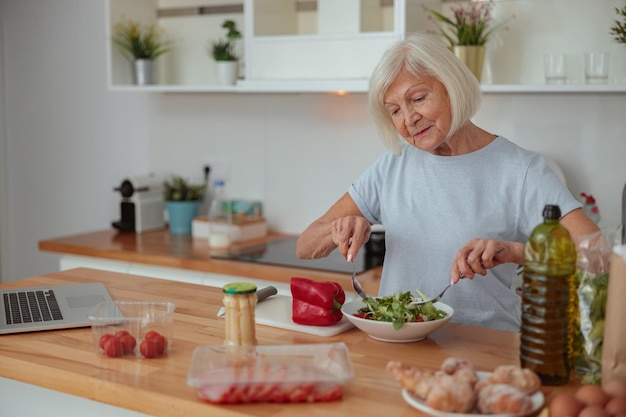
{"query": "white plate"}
(417, 403)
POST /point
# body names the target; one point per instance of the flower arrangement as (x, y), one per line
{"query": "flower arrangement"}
(140, 41)
(472, 24)
(619, 29)
(224, 49)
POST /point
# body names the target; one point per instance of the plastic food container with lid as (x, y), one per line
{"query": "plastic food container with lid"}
(263, 373)
(142, 328)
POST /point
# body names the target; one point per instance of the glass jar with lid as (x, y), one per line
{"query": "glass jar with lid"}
(240, 300)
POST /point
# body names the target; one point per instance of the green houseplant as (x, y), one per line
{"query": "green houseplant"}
(140, 41)
(182, 199)
(224, 49)
(223, 52)
(141, 44)
(618, 30)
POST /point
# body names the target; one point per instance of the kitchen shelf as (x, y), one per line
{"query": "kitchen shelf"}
(545, 88)
(279, 60)
(361, 86)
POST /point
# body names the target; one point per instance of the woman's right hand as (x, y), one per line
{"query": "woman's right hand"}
(349, 233)
(342, 226)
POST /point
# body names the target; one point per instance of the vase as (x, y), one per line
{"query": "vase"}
(180, 215)
(472, 56)
(144, 71)
(226, 72)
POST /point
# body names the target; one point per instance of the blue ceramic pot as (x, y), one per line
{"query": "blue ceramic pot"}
(181, 215)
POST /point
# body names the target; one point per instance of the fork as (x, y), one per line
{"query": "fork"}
(432, 300)
(356, 284)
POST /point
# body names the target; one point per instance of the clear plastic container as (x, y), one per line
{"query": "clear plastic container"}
(262, 373)
(142, 320)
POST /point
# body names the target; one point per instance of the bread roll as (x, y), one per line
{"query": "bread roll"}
(416, 380)
(523, 379)
(450, 394)
(503, 399)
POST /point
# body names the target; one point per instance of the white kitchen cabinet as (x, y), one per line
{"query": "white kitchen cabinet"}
(337, 41)
(302, 46)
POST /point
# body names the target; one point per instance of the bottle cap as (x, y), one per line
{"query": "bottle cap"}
(239, 288)
(551, 212)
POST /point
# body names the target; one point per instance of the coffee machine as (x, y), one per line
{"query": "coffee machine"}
(142, 204)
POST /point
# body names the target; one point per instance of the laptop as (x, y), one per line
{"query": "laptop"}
(49, 308)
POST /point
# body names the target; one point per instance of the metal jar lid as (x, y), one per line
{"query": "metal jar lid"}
(239, 288)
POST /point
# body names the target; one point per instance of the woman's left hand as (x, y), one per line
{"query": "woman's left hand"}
(478, 255)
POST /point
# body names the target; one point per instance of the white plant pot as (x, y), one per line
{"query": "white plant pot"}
(226, 72)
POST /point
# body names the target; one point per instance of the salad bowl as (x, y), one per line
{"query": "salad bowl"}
(385, 331)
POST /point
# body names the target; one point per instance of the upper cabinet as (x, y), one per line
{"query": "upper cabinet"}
(317, 41)
(333, 45)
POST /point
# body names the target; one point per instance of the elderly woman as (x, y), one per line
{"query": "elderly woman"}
(454, 199)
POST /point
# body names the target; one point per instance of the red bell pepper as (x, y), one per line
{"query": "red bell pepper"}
(316, 303)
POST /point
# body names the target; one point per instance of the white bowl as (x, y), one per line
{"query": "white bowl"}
(384, 331)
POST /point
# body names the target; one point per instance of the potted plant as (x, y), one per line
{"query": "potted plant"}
(182, 200)
(223, 52)
(467, 32)
(141, 44)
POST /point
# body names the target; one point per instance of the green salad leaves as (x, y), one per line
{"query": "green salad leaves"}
(396, 309)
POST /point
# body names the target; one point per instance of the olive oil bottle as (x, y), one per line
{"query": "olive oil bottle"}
(549, 274)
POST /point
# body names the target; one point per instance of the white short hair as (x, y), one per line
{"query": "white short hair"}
(423, 54)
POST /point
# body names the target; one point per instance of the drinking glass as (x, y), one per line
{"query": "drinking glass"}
(555, 68)
(597, 67)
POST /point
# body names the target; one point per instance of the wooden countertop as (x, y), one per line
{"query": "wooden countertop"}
(65, 360)
(160, 248)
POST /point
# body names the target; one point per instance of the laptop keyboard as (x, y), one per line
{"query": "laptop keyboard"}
(31, 306)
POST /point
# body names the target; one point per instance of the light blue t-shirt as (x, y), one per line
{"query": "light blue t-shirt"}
(431, 205)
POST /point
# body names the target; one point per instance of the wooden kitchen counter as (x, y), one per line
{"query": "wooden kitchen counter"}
(162, 249)
(65, 360)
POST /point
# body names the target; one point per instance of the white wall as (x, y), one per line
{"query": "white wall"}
(3, 164)
(70, 141)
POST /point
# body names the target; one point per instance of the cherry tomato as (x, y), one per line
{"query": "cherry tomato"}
(103, 339)
(113, 347)
(121, 333)
(151, 334)
(148, 348)
(161, 343)
(128, 343)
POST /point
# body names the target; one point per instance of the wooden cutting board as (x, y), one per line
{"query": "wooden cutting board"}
(276, 312)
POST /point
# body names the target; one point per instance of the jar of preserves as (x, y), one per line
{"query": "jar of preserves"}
(240, 300)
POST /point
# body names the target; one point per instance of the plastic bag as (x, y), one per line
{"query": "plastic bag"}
(614, 348)
(589, 304)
